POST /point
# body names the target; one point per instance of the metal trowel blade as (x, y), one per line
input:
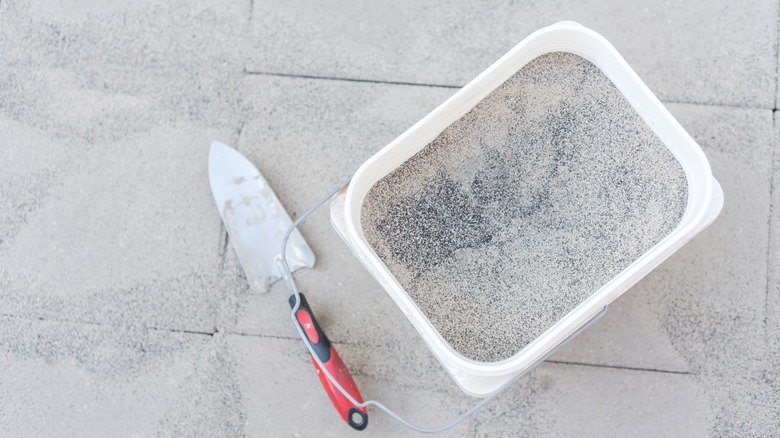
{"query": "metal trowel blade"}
(254, 218)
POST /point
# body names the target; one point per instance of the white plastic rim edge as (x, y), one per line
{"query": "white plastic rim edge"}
(476, 378)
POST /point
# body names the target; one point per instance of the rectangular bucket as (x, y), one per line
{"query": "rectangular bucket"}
(705, 197)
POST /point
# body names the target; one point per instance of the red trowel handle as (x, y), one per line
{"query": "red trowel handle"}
(326, 352)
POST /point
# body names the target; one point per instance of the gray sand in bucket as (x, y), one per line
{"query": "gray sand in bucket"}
(525, 206)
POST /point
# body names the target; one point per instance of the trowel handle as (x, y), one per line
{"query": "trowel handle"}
(356, 417)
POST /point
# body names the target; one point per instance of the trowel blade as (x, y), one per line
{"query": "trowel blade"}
(254, 218)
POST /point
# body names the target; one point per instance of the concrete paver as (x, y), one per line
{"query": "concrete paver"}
(107, 70)
(688, 51)
(284, 397)
(105, 132)
(560, 400)
(120, 236)
(629, 335)
(66, 379)
(555, 400)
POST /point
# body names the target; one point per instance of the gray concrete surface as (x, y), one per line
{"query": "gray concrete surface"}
(686, 51)
(124, 313)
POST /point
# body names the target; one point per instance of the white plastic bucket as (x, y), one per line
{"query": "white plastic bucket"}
(705, 197)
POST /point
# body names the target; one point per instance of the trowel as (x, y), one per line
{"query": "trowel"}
(256, 223)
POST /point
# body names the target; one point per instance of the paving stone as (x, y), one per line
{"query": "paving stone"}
(568, 400)
(687, 51)
(555, 400)
(628, 335)
(122, 234)
(285, 398)
(104, 132)
(66, 379)
(107, 70)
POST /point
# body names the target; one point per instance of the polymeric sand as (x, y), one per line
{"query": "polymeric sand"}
(525, 206)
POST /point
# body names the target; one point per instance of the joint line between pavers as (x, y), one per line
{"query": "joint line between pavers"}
(620, 367)
(103, 325)
(456, 87)
(260, 335)
(189, 332)
(777, 51)
(716, 105)
(357, 80)
(236, 141)
(296, 338)
(226, 240)
(222, 247)
(770, 223)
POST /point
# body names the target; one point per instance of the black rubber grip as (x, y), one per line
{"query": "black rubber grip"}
(321, 345)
